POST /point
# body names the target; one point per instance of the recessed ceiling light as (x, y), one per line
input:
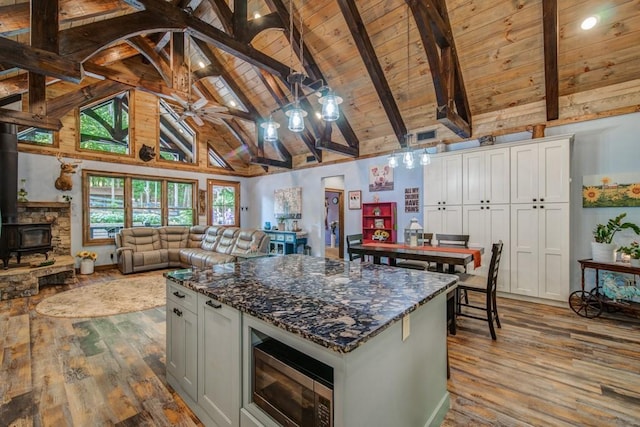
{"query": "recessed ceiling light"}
(589, 23)
(232, 103)
(201, 64)
(318, 115)
(257, 15)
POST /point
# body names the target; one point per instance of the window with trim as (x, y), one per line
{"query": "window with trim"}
(104, 126)
(177, 138)
(216, 160)
(224, 202)
(37, 136)
(115, 201)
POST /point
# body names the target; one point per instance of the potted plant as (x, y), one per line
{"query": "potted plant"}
(633, 250)
(603, 249)
(281, 225)
(87, 260)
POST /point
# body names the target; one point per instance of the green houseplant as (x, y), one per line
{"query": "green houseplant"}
(603, 249)
(633, 250)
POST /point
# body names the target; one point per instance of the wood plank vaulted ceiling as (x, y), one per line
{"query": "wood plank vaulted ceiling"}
(465, 68)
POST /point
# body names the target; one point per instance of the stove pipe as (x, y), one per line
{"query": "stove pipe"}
(8, 173)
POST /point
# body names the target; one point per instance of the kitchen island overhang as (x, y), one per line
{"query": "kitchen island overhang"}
(349, 316)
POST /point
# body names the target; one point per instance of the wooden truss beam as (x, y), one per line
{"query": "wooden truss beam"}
(29, 119)
(551, 73)
(39, 61)
(44, 35)
(368, 54)
(433, 25)
(62, 104)
(147, 49)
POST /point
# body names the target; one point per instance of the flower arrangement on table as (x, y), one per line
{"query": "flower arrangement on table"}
(87, 255)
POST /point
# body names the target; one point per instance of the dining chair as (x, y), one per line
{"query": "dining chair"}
(424, 239)
(454, 241)
(488, 289)
(354, 239)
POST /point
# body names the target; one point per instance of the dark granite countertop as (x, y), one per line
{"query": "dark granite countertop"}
(337, 304)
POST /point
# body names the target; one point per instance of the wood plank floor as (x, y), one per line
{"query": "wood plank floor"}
(548, 367)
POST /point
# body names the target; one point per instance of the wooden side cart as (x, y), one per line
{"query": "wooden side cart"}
(591, 303)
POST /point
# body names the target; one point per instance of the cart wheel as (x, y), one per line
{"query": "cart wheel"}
(585, 304)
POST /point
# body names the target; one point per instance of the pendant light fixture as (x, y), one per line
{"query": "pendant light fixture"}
(328, 99)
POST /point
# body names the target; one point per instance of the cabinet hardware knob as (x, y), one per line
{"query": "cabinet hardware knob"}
(542, 200)
(481, 201)
(488, 207)
(481, 207)
(444, 209)
(487, 201)
(535, 207)
(541, 207)
(179, 295)
(438, 202)
(535, 200)
(177, 312)
(210, 303)
(444, 203)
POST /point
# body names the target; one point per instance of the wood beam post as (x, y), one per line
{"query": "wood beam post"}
(551, 76)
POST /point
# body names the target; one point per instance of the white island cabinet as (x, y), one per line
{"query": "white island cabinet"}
(379, 332)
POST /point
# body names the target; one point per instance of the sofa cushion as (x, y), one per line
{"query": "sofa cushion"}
(203, 258)
(227, 241)
(250, 240)
(141, 239)
(196, 236)
(173, 238)
(158, 258)
(211, 238)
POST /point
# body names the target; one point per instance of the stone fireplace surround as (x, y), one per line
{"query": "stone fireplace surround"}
(19, 282)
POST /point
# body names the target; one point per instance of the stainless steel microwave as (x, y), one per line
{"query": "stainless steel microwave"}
(293, 388)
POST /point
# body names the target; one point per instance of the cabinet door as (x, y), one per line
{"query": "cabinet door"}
(524, 174)
(473, 178)
(182, 346)
(553, 251)
(433, 182)
(452, 179)
(219, 361)
(496, 176)
(553, 164)
(451, 220)
(524, 250)
(498, 225)
(433, 219)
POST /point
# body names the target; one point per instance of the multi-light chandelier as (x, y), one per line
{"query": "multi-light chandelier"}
(408, 158)
(329, 100)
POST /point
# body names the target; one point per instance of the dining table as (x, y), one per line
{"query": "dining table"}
(439, 255)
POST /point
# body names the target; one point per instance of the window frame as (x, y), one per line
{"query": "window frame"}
(131, 113)
(188, 128)
(128, 204)
(211, 183)
(54, 144)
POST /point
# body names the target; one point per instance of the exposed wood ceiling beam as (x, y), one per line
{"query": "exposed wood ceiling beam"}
(312, 69)
(224, 13)
(368, 54)
(38, 60)
(62, 104)
(433, 25)
(18, 84)
(29, 119)
(147, 49)
(550, 34)
(14, 19)
(44, 35)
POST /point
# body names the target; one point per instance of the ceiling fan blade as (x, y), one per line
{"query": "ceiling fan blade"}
(199, 103)
(214, 109)
(179, 100)
(205, 115)
(198, 120)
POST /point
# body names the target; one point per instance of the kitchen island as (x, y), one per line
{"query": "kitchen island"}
(381, 330)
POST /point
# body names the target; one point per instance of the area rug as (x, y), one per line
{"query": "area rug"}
(108, 298)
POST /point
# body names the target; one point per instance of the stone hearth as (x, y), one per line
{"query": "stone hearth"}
(26, 281)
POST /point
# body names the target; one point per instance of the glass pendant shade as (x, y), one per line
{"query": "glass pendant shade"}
(296, 118)
(393, 161)
(270, 130)
(407, 159)
(425, 158)
(330, 109)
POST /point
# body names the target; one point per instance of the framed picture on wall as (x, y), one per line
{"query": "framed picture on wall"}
(355, 199)
(202, 202)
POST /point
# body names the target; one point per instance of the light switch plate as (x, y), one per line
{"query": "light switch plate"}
(406, 326)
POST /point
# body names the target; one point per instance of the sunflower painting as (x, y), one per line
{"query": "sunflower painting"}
(614, 190)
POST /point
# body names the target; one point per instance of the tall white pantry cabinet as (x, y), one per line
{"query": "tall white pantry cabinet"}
(517, 193)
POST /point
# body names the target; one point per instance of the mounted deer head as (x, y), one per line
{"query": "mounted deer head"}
(64, 182)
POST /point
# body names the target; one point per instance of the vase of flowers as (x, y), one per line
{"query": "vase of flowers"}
(603, 249)
(87, 261)
(633, 250)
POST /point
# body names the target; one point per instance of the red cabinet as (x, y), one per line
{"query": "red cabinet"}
(379, 222)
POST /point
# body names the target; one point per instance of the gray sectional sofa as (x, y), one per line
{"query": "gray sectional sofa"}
(146, 248)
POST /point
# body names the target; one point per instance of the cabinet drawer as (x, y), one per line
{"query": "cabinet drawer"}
(182, 296)
(289, 238)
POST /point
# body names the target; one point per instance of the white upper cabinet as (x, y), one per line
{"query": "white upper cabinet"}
(540, 172)
(443, 181)
(485, 177)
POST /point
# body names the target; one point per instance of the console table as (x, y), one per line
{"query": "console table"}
(286, 242)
